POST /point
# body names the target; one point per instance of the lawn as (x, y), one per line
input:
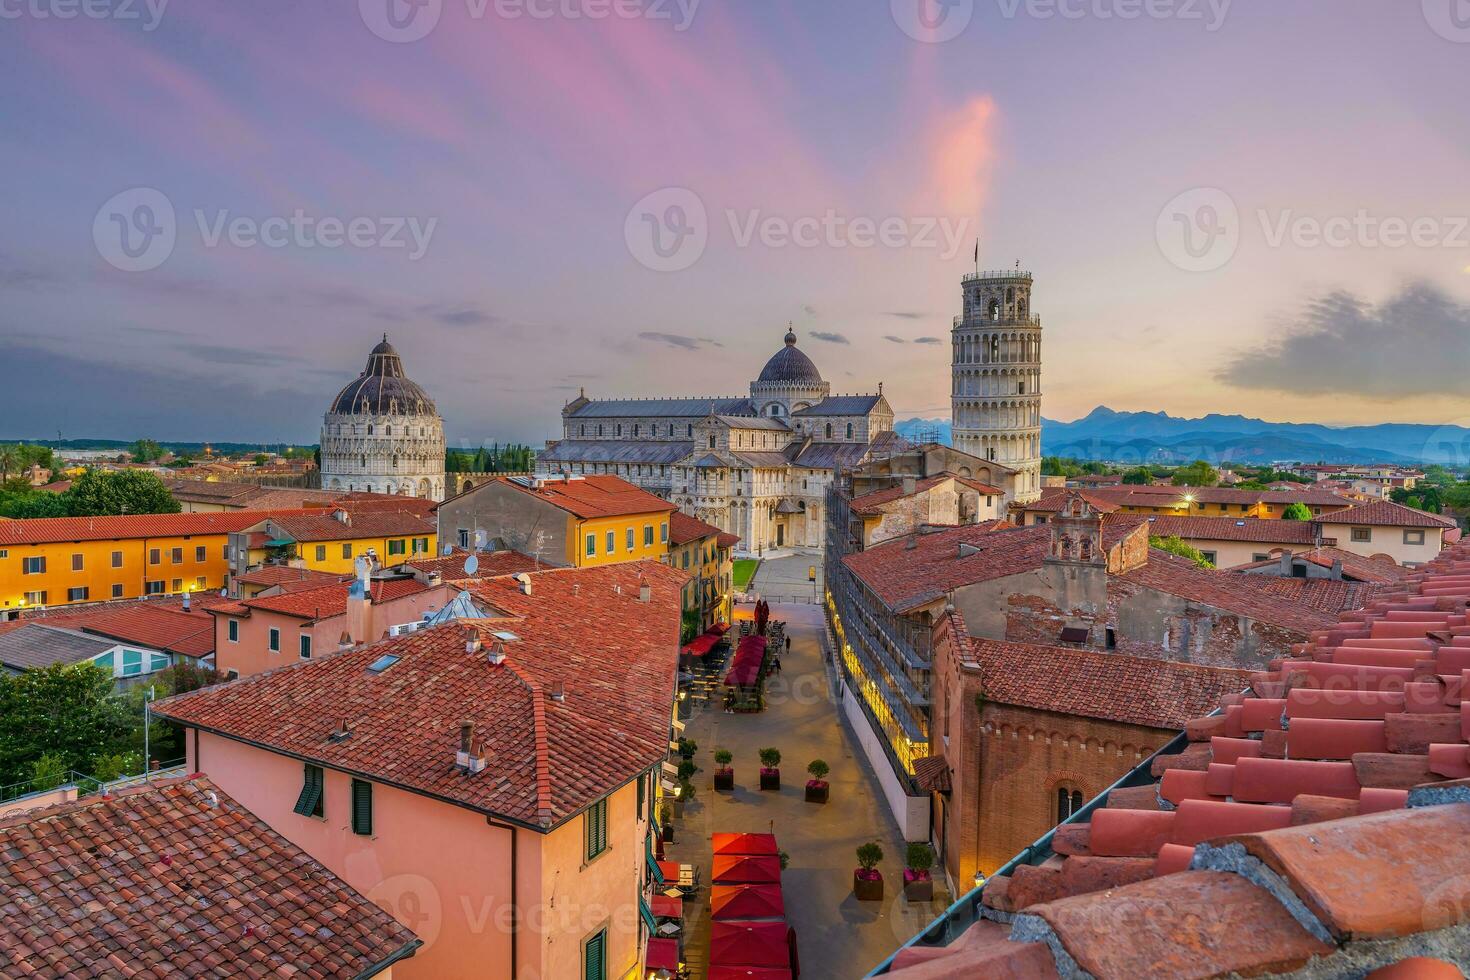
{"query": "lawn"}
(744, 572)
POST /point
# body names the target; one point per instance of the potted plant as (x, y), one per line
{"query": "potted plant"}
(784, 858)
(918, 885)
(770, 769)
(867, 880)
(724, 775)
(666, 826)
(816, 787)
(687, 747)
(687, 769)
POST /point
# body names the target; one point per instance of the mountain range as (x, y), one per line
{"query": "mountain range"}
(1158, 437)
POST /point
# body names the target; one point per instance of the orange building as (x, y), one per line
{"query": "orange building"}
(58, 560)
(489, 781)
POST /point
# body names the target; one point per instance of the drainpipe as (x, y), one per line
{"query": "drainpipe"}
(515, 917)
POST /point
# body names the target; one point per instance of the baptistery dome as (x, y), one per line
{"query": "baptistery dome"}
(383, 434)
(789, 366)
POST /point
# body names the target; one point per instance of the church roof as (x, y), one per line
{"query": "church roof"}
(615, 451)
(383, 388)
(789, 366)
(829, 455)
(842, 405)
(759, 422)
(695, 407)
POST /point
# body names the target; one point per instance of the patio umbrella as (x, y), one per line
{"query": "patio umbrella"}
(746, 902)
(662, 954)
(745, 844)
(749, 944)
(748, 973)
(744, 869)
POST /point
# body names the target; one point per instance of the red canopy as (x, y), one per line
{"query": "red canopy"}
(749, 944)
(664, 907)
(744, 869)
(663, 954)
(719, 629)
(745, 844)
(748, 973)
(745, 667)
(747, 902)
(700, 645)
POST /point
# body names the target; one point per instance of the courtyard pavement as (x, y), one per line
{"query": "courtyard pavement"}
(785, 578)
(838, 937)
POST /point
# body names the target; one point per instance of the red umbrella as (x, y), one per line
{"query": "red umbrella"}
(749, 944)
(747, 902)
(744, 869)
(748, 973)
(663, 954)
(745, 844)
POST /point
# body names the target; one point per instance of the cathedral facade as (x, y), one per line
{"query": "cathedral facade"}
(755, 465)
(383, 434)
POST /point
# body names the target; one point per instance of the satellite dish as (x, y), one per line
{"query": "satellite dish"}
(480, 539)
(471, 565)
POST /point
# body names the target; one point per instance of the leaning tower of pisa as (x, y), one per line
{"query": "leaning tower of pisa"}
(997, 376)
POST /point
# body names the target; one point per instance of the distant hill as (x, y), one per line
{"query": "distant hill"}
(1158, 437)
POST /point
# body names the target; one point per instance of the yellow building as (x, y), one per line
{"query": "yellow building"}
(578, 521)
(332, 542)
(1190, 502)
(703, 551)
(53, 561)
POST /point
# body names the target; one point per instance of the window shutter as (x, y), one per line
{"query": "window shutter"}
(309, 803)
(594, 957)
(640, 796)
(362, 807)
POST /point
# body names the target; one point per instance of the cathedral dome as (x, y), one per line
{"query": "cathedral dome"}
(383, 389)
(789, 366)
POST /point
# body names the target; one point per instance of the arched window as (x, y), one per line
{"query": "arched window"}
(1069, 801)
(370, 428)
(584, 429)
(620, 429)
(829, 430)
(994, 310)
(635, 430)
(691, 429)
(712, 441)
(849, 430)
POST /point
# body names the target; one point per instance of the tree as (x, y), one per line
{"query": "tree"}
(261, 459)
(9, 462)
(1196, 474)
(1138, 476)
(67, 711)
(145, 451)
(1175, 545)
(97, 494)
(1296, 512)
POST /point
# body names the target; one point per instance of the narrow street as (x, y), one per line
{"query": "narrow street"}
(838, 936)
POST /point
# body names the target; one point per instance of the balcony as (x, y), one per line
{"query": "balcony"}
(979, 319)
(997, 274)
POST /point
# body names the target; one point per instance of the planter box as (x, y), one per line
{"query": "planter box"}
(725, 779)
(816, 791)
(918, 886)
(867, 889)
(771, 779)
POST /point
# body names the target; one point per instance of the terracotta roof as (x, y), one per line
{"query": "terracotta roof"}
(360, 524)
(905, 577)
(1354, 566)
(585, 627)
(592, 496)
(327, 601)
(177, 879)
(871, 503)
(1093, 684)
(1132, 495)
(1386, 513)
(931, 773)
(286, 575)
(1245, 595)
(492, 563)
(1321, 813)
(1263, 530)
(48, 530)
(683, 529)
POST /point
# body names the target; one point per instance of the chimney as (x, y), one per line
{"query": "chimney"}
(968, 550)
(342, 517)
(910, 486)
(645, 591)
(344, 642)
(477, 758)
(558, 691)
(1337, 569)
(912, 542)
(497, 653)
(186, 600)
(466, 744)
(1286, 557)
(359, 613)
(525, 581)
(471, 640)
(341, 733)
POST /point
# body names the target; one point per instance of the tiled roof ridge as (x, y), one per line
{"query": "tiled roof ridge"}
(110, 797)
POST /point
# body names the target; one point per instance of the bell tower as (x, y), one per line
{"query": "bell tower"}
(996, 375)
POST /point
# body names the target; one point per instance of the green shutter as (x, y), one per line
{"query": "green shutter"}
(647, 915)
(309, 803)
(640, 796)
(362, 807)
(594, 823)
(594, 957)
(654, 873)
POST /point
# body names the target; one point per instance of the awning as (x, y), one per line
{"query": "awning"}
(745, 844)
(747, 902)
(279, 542)
(665, 907)
(749, 944)
(663, 954)
(742, 869)
(701, 645)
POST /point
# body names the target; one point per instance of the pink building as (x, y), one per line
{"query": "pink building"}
(489, 781)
